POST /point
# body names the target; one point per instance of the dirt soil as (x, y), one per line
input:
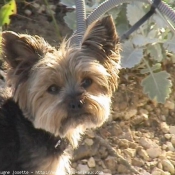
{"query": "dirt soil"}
(140, 136)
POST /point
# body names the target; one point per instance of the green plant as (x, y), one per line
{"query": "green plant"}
(6, 11)
(147, 47)
(54, 20)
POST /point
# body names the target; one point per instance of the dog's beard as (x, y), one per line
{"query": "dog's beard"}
(59, 121)
(75, 124)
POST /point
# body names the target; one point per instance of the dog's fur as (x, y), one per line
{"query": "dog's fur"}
(60, 92)
(22, 147)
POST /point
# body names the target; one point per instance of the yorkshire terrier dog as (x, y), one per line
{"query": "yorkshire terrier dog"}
(56, 96)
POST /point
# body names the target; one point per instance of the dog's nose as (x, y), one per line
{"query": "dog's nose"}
(75, 104)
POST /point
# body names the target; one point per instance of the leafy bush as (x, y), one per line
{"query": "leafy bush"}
(148, 47)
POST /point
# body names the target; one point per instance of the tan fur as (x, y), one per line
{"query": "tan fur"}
(39, 66)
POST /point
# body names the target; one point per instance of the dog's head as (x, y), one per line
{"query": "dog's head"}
(67, 90)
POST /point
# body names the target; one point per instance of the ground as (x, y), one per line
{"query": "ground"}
(140, 136)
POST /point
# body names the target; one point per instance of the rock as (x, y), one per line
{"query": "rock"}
(167, 136)
(169, 105)
(123, 143)
(137, 162)
(122, 169)
(89, 142)
(27, 12)
(143, 154)
(143, 111)
(127, 134)
(164, 146)
(131, 152)
(115, 130)
(164, 127)
(173, 162)
(74, 165)
(82, 168)
(129, 114)
(91, 162)
(172, 129)
(138, 133)
(101, 163)
(102, 173)
(73, 170)
(165, 173)
(170, 146)
(154, 151)
(151, 164)
(163, 117)
(107, 171)
(103, 152)
(168, 166)
(111, 163)
(90, 134)
(132, 145)
(159, 165)
(84, 161)
(157, 171)
(173, 140)
(144, 172)
(85, 151)
(149, 107)
(42, 9)
(145, 142)
(142, 102)
(139, 119)
(36, 5)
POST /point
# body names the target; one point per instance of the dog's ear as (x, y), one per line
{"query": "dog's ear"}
(101, 39)
(21, 52)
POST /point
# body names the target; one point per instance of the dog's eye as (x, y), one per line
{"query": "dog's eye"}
(53, 89)
(86, 82)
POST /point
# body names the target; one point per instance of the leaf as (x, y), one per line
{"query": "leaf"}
(92, 4)
(157, 86)
(142, 40)
(6, 11)
(134, 12)
(114, 12)
(156, 52)
(121, 29)
(159, 21)
(68, 3)
(170, 45)
(139, 40)
(0, 39)
(70, 20)
(155, 67)
(130, 55)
